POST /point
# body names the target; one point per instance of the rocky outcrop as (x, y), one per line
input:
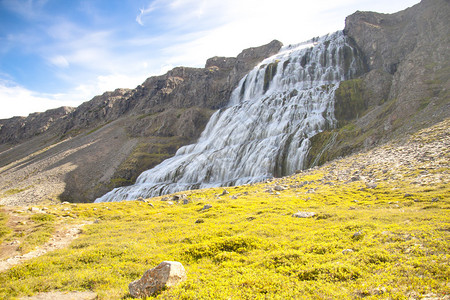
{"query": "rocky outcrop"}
(165, 275)
(407, 84)
(78, 154)
(18, 129)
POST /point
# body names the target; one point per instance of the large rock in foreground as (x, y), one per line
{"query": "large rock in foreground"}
(166, 274)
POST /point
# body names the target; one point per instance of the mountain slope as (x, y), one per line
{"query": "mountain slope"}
(79, 154)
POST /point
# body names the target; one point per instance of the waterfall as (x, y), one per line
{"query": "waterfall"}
(265, 129)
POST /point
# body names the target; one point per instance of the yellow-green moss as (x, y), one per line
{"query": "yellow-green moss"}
(388, 241)
(349, 101)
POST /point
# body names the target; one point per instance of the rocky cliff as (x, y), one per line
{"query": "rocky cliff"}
(407, 84)
(77, 154)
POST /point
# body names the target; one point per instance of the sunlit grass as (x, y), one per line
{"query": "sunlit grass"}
(386, 241)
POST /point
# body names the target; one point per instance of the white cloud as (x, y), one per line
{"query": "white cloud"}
(59, 61)
(19, 101)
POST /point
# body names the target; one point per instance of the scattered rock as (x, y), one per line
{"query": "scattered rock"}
(250, 218)
(433, 296)
(371, 185)
(170, 202)
(407, 195)
(279, 188)
(379, 291)
(151, 205)
(207, 206)
(346, 251)
(199, 221)
(435, 199)
(140, 199)
(355, 178)
(166, 274)
(96, 221)
(225, 192)
(65, 202)
(358, 235)
(186, 201)
(304, 214)
(234, 197)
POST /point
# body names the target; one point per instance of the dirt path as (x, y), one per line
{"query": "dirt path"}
(63, 296)
(61, 239)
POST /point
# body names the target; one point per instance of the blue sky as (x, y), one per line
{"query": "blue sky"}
(64, 52)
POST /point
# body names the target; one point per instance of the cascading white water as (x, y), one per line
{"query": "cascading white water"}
(265, 130)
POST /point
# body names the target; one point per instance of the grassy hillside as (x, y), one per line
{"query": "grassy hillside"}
(381, 230)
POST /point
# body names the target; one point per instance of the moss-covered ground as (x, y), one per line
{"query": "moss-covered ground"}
(381, 231)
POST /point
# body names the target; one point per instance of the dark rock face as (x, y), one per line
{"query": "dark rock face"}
(107, 141)
(412, 47)
(407, 84)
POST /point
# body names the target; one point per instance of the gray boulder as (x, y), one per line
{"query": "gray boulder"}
(304, 214)
(166, 274)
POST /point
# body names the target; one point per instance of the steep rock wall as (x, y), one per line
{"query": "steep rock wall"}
(407, 84)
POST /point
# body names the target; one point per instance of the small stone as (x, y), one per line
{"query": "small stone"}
(279, 188)
(34, 209)
(65, 202)
(304, 214)
(355, 178)
(199, 221)
(186, 201)
(435, 199)
(151, 205)
(371, 185)
(140, 199)
(346, 251)
(170, 202)
(96, 221)
(225, 192)
(165, 275)
(407, 195)
(358, 235)
(207, 206)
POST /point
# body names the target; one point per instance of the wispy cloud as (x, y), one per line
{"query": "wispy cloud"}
(59, 61)
(29, 9)
(145, 11)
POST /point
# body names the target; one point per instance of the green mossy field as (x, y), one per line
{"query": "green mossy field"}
(381, 230)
